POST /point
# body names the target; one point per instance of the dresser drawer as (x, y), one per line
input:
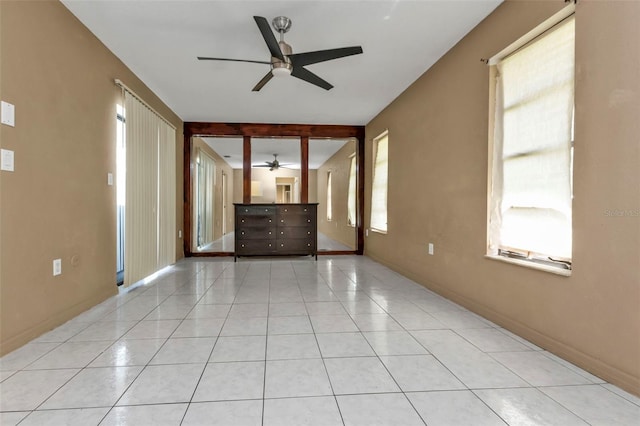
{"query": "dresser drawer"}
(256, 210)
(256, 247)
(295, 232)
(256, 232)
(254, 220)
(295, 209)
(295, 246)
(295, 220)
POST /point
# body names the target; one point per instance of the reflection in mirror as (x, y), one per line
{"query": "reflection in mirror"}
(214, 165)
(275, 170)
(332, 162)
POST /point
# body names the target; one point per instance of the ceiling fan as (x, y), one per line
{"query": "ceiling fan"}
(283, 61)
(273, 165)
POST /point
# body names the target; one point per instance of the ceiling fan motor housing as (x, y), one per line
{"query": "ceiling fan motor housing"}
(285, 67)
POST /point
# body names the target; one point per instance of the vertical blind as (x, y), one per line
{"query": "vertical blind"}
(531, 191)
(351, 196)
(379, 187)
(206, 174)
(150, 192)
(329, 198)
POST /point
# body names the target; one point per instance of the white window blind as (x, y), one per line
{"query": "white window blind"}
(530, 201)
(166, 195)
(351, 195)
(379, 186)
(150, 192)
(206, 180)
(329, 198)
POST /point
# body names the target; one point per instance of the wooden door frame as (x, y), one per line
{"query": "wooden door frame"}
(249, 130)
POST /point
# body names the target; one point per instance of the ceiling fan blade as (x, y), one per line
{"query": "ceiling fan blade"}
(308, 58)
(269, 38)
(204, 58)
(262, 82)
(309, 77)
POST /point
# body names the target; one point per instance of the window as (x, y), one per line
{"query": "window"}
(205, 182)
(329, 201)
(531, 183)
(351, 195)
(379, 187)
(121, 163)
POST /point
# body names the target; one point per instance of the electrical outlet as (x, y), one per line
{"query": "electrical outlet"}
(57, 267)
(431, 249)
(180, 233)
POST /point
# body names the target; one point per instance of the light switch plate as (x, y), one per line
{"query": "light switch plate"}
(57, 267)
(8, 114)
(6, 163)
(431, 249)
(110, 179)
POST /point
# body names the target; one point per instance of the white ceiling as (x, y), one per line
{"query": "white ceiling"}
(288, 150)
(159, 42)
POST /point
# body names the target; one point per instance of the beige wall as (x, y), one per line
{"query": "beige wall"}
(221, 167)
(339, 165)
(57, 203)
(237, 185)
(267, 181)
(438, 190)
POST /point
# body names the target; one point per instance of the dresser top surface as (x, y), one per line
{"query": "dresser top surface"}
(275, 204)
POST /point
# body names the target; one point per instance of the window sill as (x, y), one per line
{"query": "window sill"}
(531, 265)
(378, 231)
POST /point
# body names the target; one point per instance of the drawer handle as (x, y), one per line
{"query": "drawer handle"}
(269, 232)
(242, 221)
(308, 232)
(305, 210)
(308, 244)
(266, 210)
(281, 220)
(308, 220)
(286, 210)
(242, 232)
(269, 244)
(281, 232)
(242, 245)
(246, 210)
(282, 245)
(269, 220)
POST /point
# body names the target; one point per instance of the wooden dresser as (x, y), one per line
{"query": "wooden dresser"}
(276, 229)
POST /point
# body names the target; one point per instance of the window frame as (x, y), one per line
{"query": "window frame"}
(376, 141)
(527, 258)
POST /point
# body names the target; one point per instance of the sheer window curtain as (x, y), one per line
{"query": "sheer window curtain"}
(329, 198)
(351, 197)
(150, 192)
(530, 204)
(379, 186)
(206, 176)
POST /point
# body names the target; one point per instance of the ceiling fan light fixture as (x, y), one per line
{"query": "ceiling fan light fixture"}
(281, 72)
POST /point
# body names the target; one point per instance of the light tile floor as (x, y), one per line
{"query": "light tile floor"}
(340, 341)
